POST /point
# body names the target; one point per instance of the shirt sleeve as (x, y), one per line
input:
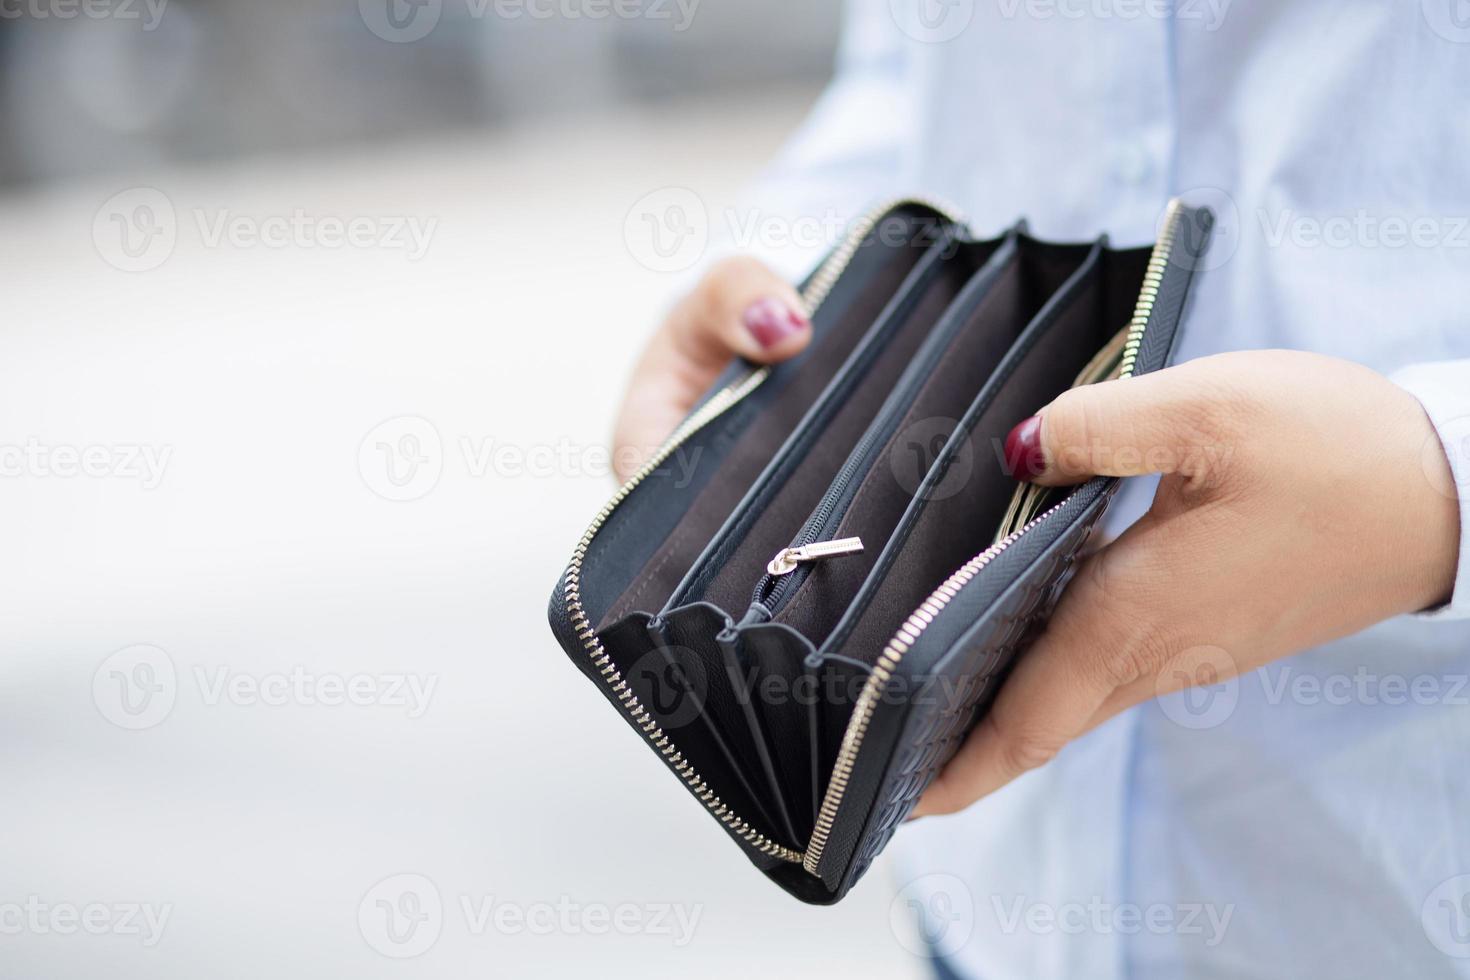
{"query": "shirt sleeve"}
(844, 157)
(1443, 388)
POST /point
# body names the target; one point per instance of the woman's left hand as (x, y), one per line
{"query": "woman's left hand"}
(1303, 498)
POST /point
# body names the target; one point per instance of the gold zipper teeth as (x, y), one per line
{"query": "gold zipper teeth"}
(604, 663)
(914, 627)
(1153, 277)
(826, 277)
(817, 290)
(862, 712)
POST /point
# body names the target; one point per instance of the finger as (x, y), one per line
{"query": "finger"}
(740, 308)
(1097, 642)
(1164, 422)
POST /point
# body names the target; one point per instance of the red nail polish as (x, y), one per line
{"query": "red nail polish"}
(1023, 457)
(771, 321)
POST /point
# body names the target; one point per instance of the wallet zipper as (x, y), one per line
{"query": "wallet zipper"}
(773, 589)
(817, 289)
(914, 627)
(788, 559)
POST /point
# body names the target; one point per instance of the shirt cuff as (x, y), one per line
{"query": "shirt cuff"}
(1443, 388)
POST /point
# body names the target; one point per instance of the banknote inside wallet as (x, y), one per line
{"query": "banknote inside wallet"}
(1029, 499)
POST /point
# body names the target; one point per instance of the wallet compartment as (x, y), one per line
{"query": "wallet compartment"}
(809, 740)
(642, 554)
(921, 415)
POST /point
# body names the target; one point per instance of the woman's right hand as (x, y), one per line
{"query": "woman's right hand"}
(740, 308)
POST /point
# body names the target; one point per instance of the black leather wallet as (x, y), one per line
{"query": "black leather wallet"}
(812, 591)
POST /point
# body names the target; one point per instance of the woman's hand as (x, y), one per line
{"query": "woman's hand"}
(1303, 498)
(739, 308)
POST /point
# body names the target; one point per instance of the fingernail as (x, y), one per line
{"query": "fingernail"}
(770, 321)
(1023, 457)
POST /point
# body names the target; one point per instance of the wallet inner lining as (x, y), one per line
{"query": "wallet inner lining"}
(945, 532)
(779, 516)
(930, 414)
(667, 566)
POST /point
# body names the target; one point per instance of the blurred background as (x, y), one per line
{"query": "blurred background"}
(315, 317)
(108, 86)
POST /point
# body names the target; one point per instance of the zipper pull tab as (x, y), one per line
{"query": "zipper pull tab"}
(787, 559)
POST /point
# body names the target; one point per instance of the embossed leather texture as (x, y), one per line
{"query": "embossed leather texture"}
(806, 711)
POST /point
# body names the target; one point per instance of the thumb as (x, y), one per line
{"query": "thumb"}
(740, 308)
(1153, 423)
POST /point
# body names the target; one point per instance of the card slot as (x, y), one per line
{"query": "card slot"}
(780, 691)
(685, 683)
(750, 681)
(726, 460)
(918, 420)
(840, 683)
(806, 464)
(954, 515)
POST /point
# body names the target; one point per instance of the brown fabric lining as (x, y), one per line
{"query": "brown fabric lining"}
(881, 499)
(756, 446)
(784, 512)
(971, 358)
(950, 531)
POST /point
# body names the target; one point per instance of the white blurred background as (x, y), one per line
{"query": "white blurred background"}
(314, 322)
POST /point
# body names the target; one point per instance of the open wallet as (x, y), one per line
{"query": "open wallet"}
(811, 592)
